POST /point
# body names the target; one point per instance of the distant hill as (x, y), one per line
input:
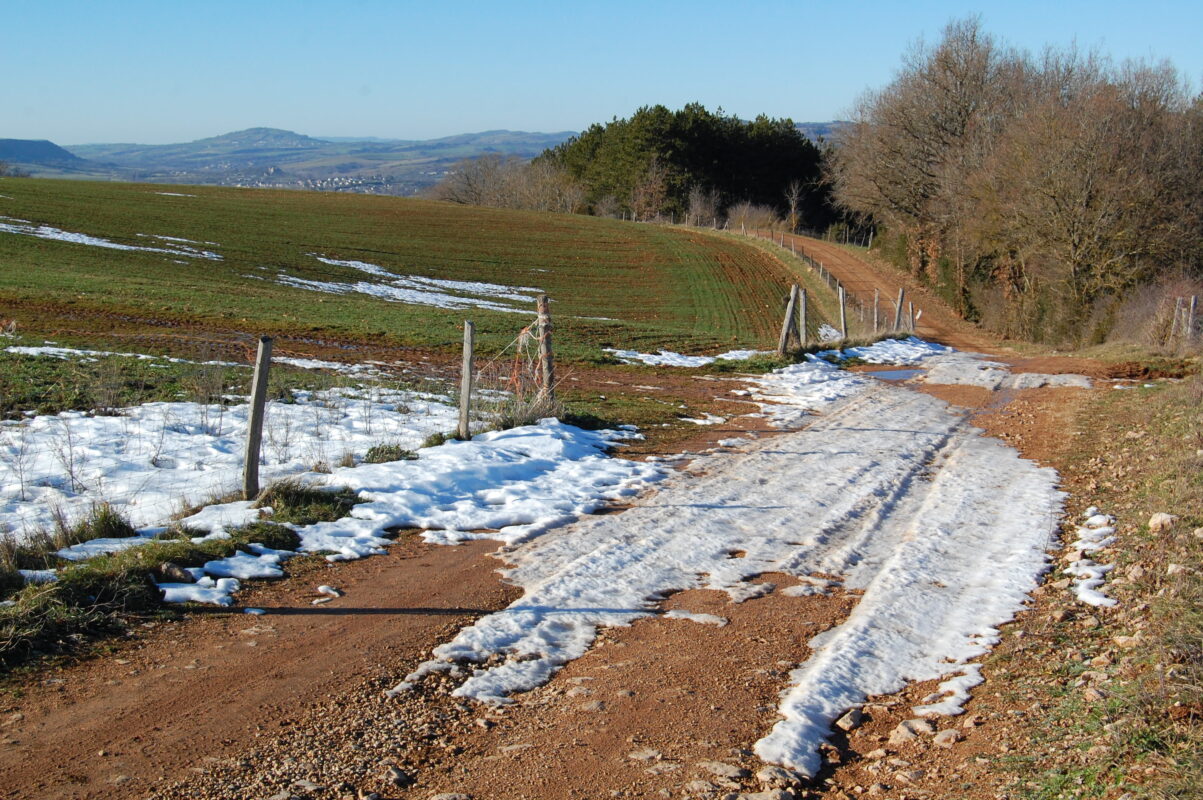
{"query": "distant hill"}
(30, 152)
(280, 158)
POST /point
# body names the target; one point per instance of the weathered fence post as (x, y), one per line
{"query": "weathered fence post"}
(546, 365)
(876, 299)
(787, 324)
(1190, 318)
(870, 245)
(254, 428)
(911, 308)
(843, 312)
(465, 383)
(898, 311)
(802, 317)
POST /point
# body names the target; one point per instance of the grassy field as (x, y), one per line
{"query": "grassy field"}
(612, 283)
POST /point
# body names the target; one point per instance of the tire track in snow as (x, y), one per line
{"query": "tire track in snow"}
(891, 490)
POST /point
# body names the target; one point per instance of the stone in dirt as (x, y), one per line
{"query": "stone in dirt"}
(909, 730)
(451, 796)
(644, 754)
(850, 720)
(170, 572)
(778, 778)
(947, 738)
(722, 770)
(768, 794)
(1161, 521)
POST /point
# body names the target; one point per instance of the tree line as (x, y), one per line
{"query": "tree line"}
(690, 165)
(1034, 192)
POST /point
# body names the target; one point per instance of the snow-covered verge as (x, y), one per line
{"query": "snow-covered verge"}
(154, 460)
(943, 530)
(508, 485)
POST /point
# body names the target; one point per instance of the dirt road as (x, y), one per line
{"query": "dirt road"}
(937, 322)
(185, 694)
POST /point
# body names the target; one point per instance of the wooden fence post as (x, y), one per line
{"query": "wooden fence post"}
(876, 299)
(911, 309)
(254, 429)
(843, 312)
(546, 364)
(1190, 318)
(898, 311)
(465, 383)
(802, 317)
(787, 325)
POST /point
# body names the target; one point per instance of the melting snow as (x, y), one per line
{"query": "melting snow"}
(154, 459)
(943, 530)
(1096, 532)
(667, 358)
(26, 228)
(418, 290)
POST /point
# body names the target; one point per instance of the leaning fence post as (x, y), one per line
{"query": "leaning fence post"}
(547, 366)
(254, 429)
(465, 383)
(843, 312)
(788, 323)
(898, 311)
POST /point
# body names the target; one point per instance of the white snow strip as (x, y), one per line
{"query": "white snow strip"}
(902, 352)
(39, 575)
(829, 334)
(969, 369)
(67, 353)
(524, 294)
(667, 358)
(707, 419)
(99, 547)
(399, 294)
(505, 485)
(23, 228)
(205, 590)
(704, 619)
(175, 194)
(1097, 532)
(943, 530)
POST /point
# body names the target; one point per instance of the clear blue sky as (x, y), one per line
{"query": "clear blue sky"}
(155, 71)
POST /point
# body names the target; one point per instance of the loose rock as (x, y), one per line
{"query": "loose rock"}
(778, 778)
(722, 770)
(947, 738)
(1161, 521)
(850, 720)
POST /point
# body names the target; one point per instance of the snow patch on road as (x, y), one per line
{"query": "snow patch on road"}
(944, 532)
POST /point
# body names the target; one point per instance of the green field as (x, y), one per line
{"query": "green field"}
(655, 286)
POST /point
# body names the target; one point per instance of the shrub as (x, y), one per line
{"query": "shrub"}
(384, 453)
